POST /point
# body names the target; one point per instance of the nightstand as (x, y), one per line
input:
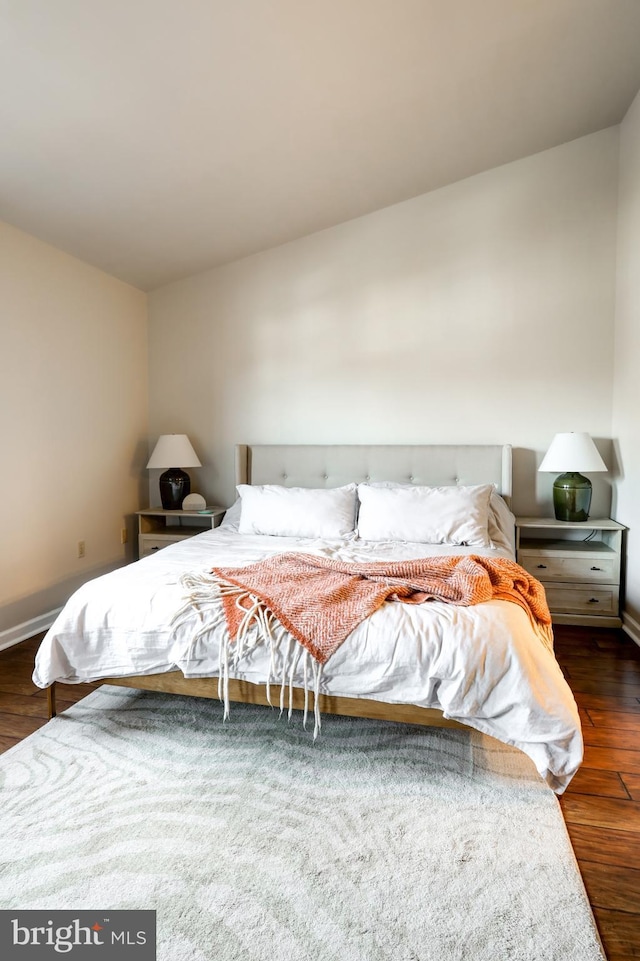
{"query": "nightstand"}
(578, 562)
(158, 528)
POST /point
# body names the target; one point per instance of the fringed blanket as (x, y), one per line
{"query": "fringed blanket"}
(319, 602)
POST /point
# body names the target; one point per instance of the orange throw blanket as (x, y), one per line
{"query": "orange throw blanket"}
(320, 601)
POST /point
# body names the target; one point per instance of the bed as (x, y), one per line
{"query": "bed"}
(487, 666)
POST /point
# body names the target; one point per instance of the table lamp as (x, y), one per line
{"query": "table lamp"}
(572, 453)
(175, 483)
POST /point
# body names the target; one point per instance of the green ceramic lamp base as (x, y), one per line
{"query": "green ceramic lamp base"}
(572, 497)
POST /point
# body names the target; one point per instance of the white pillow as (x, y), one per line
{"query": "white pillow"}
(231, 518)
(297, 511)
(502, 525)
(425, 515)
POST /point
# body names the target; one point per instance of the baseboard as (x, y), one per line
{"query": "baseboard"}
(631, 627)
(27, 629)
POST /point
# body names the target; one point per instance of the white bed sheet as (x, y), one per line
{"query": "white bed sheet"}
(483, 665)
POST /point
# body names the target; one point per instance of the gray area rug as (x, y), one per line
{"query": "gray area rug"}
(251, 842)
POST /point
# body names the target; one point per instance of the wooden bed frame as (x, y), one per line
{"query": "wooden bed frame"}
(331, 466)
(244, 692)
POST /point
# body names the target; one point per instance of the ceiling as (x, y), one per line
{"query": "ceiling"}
(157, 138)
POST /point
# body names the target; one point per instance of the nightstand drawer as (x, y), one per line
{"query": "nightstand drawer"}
(582, 599)
(594, 569)
(149, 545)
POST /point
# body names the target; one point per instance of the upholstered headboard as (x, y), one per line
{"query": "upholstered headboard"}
(331, 465)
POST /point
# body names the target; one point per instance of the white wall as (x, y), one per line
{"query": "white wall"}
(73, 422)
(626, 407)
(481, 312)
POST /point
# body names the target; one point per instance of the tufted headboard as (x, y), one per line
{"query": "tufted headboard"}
(332, 465)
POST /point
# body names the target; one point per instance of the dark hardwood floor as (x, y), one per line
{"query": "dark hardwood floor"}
(602, 804)
(601, 807)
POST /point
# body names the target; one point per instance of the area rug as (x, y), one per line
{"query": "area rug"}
(378, 842)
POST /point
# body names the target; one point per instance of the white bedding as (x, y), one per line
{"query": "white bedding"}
(483, 665)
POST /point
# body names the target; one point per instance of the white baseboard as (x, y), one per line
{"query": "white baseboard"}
(27, 629)
(631, 627)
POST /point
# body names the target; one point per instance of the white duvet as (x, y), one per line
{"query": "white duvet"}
(483, 665)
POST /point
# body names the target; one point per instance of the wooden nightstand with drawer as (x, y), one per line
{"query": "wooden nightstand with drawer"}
(157, 528)
(579, 564)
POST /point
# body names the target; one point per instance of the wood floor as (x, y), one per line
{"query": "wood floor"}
(601, 807)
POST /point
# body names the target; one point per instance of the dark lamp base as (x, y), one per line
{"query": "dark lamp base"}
(175, 484)
(572, 497)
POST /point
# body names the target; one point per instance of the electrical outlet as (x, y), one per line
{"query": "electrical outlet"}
(80, 548)
(123, 535)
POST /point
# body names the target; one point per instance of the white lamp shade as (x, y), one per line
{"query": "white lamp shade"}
(173, 450)
(572, 452)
